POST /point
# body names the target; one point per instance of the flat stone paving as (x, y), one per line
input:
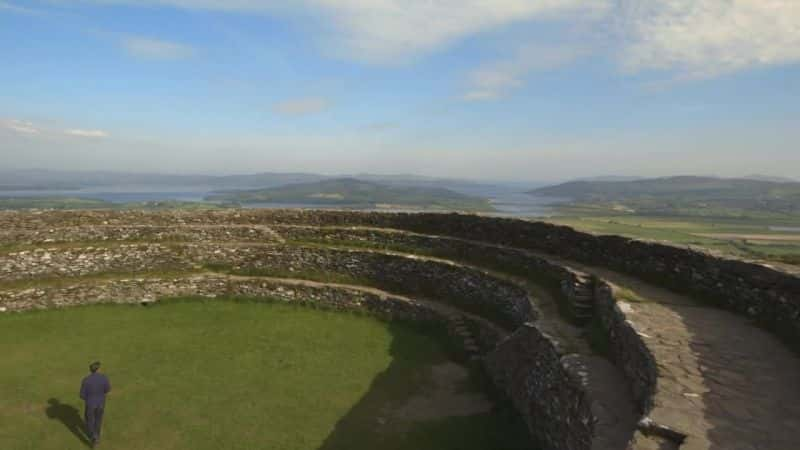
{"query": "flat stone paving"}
(724, 382)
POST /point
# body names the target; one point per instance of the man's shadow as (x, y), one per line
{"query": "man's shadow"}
(69, 416)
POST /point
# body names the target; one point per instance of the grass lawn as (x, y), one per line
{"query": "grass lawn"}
(213, 374)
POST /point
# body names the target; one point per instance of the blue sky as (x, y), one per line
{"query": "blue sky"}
(504, 89)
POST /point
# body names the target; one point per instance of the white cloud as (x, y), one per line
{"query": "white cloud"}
(707, 38)
(19, 126)
(301, 106)
(685, 38)
(497, 79)
(388, 31)
(86, 133)
(149, 48)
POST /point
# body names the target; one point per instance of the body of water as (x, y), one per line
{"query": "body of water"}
(507, 200)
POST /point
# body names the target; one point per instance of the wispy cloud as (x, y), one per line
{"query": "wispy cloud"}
(27, 128)
(86, 133)
(689, 38)
(19, 126)
(149, 48)
(301, 106)
(6, 6)
(388, 31)
(498, 79)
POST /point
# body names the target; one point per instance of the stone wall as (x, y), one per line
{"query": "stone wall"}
(528, 366)
(544, 388)
(465, 288)
(469, 289)
(564, 280)
(134, 233)
(145, 290)
(625, 347)
(75, 262)
(768, 295)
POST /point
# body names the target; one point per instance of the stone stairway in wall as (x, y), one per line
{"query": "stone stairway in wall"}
(459, 329)
(579, 292)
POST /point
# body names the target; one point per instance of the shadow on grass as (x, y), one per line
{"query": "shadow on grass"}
(69, 416)
(374, 421)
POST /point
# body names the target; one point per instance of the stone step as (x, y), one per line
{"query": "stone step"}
(582, 306)
(472, 349)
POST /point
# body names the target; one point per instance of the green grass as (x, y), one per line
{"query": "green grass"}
(205, 374)
(686, 231)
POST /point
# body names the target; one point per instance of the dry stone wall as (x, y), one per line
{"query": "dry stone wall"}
(570, 283)
(55, 262)
(146, 290)
(626, 347)
(468, 289)
(528, 366)
(548, 391)
(768, 295)
(147, 233)
(545, 388)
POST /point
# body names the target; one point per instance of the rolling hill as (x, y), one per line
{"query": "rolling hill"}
(684, 195)
(350, 192)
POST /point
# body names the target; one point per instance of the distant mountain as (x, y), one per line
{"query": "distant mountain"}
(683, 193)
(75, 180)
(771, 178)
(610, 178)
(351, 192)
(35, 179)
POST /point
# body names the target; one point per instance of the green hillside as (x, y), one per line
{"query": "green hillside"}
(684, 195)
(357, 193)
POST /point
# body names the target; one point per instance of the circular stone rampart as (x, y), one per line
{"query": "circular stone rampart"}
(456, 259)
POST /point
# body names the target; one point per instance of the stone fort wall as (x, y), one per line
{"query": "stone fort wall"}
(769, 296)
(528, 365)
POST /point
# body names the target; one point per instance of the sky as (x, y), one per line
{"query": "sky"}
(527, 90)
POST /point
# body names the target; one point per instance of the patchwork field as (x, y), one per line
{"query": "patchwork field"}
(216, 374)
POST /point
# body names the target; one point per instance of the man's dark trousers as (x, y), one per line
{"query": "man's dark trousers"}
(94, 420)
(93, 391)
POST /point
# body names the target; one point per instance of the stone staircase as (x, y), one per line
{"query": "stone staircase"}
(579, 291)
(459, 329)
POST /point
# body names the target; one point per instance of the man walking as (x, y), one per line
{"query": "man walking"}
(93, 391)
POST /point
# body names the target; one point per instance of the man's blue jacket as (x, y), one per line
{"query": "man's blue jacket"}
(94, 389)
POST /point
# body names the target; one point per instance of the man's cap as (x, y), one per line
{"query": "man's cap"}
(94, 366)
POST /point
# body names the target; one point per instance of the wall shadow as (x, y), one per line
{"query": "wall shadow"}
(370, 424)
(69, 416)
